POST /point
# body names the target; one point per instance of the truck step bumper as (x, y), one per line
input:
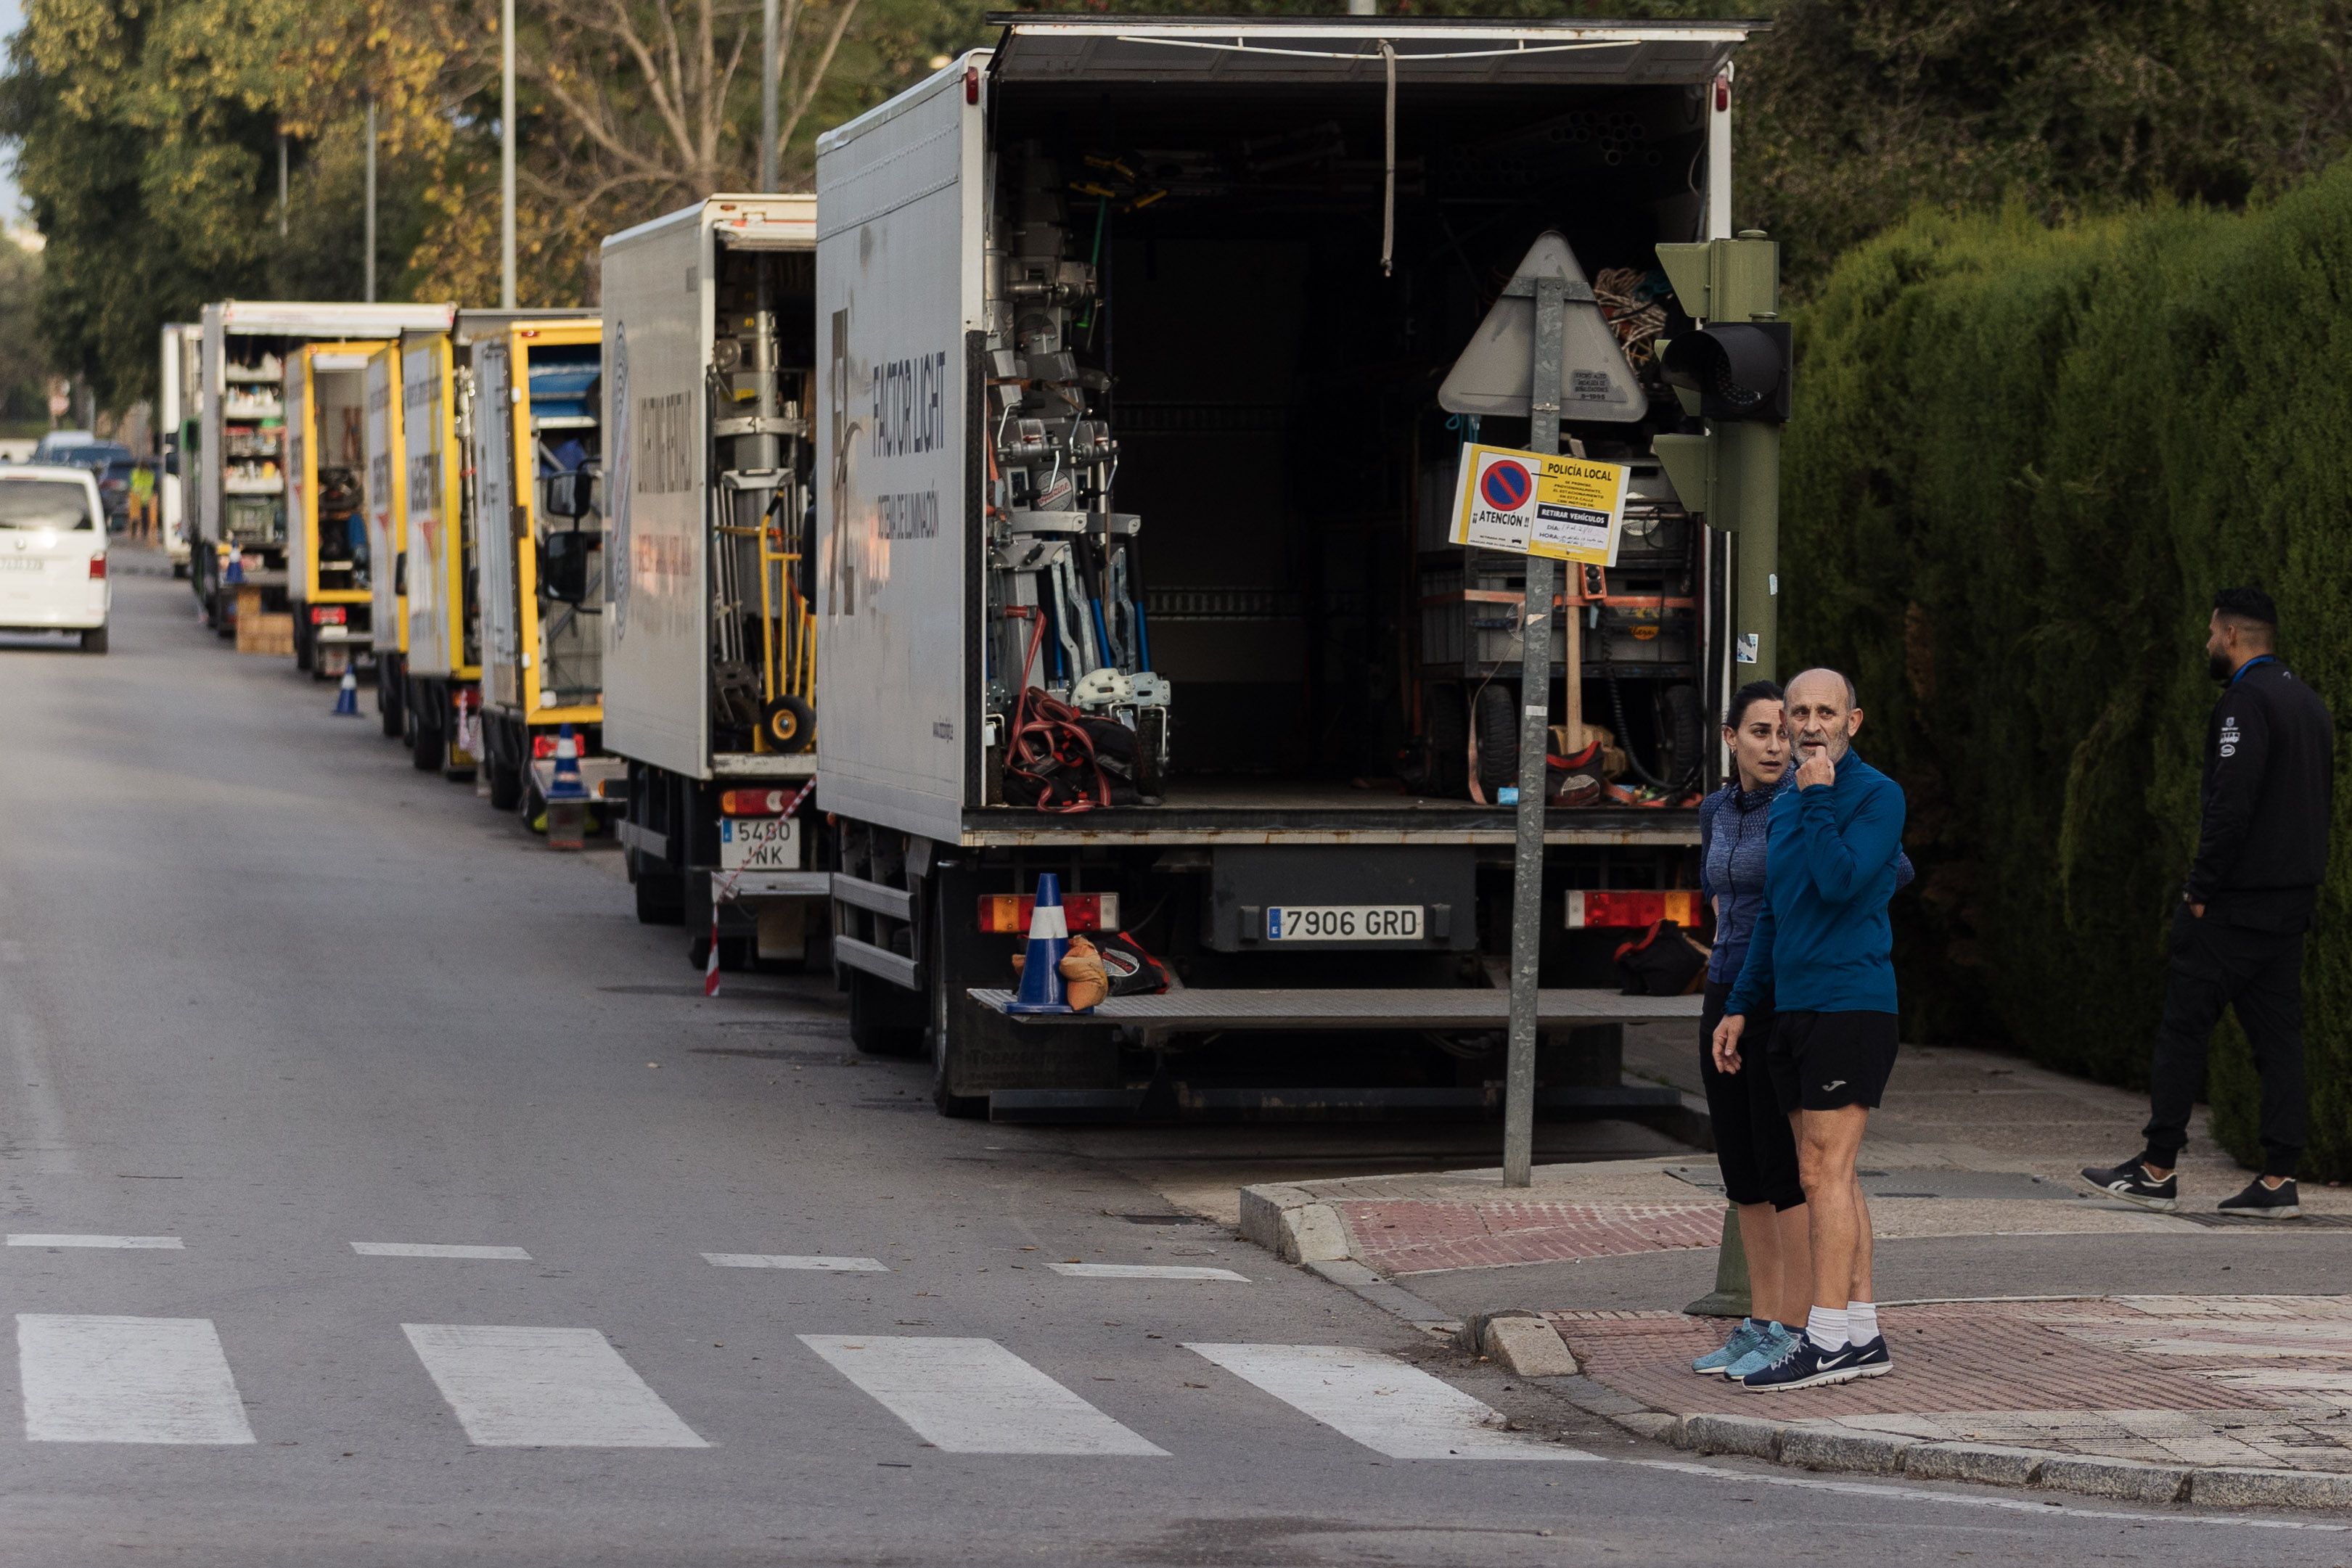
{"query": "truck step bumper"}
(1189, 1010)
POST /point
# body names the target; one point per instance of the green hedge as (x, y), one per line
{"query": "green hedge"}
(2022, 460)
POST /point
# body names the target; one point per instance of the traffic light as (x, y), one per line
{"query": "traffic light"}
(1732, 369)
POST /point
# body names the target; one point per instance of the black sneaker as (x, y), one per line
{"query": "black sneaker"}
(1806, 1365)
(2131, 1182)
(1873, 1360)
(2261, 1202)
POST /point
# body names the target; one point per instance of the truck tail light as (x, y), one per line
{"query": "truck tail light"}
(753, 802)
(542, 746)
(326, 615)
(971, 84)
(1592, 909)
(98, 566)
(1007, 913)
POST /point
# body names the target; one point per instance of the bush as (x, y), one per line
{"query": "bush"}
(2023, 458)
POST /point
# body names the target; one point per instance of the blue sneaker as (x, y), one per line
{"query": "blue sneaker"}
(1874, 1359)
(1805, 1364)
(1770, 1348)
(1744, 1338)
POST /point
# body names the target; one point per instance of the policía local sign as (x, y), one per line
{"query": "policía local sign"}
(1568, 508)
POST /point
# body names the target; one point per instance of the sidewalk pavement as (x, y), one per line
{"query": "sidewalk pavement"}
(2032, 1342)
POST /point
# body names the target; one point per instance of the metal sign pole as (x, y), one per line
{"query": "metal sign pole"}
(1535, 714)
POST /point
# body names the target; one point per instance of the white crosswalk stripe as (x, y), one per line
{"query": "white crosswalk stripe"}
(1381, 1402)
(545, 1388)
(974, 1396)
(787, 1260)
(166, 1243)
(126, 1380)
(1144, 1272)
(438, 1249)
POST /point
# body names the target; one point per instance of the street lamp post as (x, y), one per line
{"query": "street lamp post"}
(506, 156)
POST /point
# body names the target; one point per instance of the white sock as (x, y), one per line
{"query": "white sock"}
(1825, 1326)
(1862, 1321)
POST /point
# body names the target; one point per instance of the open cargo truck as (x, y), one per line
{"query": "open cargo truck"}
(1129, 336)
(239, 494)
(329, 561)
(710, 365)
(176, 428)
(538, 463)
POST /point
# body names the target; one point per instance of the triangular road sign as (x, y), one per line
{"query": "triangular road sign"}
(1493, 374)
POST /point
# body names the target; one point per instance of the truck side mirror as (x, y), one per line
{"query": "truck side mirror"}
(563, 559)
(400, 573)
(571, 495)
(172, 461)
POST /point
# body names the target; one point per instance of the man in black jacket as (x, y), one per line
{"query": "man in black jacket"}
(2237, 936)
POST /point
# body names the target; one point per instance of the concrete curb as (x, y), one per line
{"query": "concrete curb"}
(1292, 1224)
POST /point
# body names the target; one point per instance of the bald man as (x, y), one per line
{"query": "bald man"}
(1822, 954)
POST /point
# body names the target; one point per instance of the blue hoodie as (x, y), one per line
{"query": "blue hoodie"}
(1822, 943)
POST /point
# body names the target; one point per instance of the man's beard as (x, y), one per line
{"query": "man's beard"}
(2219, 666)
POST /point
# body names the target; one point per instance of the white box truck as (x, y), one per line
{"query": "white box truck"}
(240, 494)
(710, 365)
(1133, 560)
(177, 427)
(330, 562)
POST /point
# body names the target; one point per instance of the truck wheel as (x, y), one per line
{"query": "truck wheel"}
(954, 1016)
(884, 1019)
(505, 787)
(1498, 737)
(661, 901)
(789, 724)
(305, 655)
(94, 640)
(387, 709)
(424, 750)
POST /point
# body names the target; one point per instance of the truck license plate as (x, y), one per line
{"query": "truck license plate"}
(21, 563)
(758, 843)
(1343, 923)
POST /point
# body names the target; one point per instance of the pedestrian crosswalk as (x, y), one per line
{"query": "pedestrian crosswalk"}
(154, 1380)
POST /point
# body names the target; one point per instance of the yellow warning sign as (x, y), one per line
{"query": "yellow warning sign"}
(1568, 508)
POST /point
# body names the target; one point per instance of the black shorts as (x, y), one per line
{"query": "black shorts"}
(1826, 1061)
(1753, 1142)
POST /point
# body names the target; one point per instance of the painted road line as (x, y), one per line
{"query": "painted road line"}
(1144, 1272)
(786, 1260)
(126, 1380)
(544, 1388)
(1379, 1401)
(170, 1242)
(974, 1396)
(436, 1250)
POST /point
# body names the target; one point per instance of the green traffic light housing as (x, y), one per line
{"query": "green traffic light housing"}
(1739, 368)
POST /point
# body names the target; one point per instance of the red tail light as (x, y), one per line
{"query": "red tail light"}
(754, 802)
(1007, 913)
(1594, 908)
(326, 615)
(98, 566)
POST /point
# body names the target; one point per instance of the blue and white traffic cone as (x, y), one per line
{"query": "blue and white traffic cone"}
(1042, 990)
(567, 797)
(347, 696)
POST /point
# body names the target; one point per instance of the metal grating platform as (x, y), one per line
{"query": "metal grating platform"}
(1203, 1009)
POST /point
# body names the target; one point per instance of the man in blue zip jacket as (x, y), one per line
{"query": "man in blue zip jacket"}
(1823, 952)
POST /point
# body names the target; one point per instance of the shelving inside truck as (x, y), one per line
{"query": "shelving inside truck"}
(1269, 392)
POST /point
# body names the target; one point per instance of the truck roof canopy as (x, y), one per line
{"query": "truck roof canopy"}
(1343, 50)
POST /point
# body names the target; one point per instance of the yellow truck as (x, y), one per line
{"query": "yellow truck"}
(331, 561)
(538, 450)
(387, 521)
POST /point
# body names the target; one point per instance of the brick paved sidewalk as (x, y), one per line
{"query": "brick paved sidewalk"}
(2241, 1381)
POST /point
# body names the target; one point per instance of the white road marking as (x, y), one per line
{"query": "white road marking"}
(974, 1396)
(171, 1242)
(1144, 1271)
(1379, 1401)
(436, 1250)
(786, 1260)
(2045, 1505)
(126, 1380)
(544, 1388)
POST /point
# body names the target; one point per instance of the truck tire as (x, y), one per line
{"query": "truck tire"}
(661, 901)
(305, 655)
(884, 1019)
(1498, 737)
(387, 707)
(425, 748)
(506, 786)
(94, 640)
(951, 1014)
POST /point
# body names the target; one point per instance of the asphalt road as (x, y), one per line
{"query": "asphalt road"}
(266, 991)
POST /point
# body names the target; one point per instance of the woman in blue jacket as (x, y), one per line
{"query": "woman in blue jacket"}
(1753, 1142)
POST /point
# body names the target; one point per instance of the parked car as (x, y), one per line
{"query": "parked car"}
(53, 553)
(114, 491)
(57, 442)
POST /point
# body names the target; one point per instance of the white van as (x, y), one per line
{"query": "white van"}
(53, 553)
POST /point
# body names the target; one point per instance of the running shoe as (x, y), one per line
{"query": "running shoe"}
(1874, 1359)
(1769, 1349)
(2261, 1202)
(1744, 1338)
(1805, 1364)
(2131, 1182)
